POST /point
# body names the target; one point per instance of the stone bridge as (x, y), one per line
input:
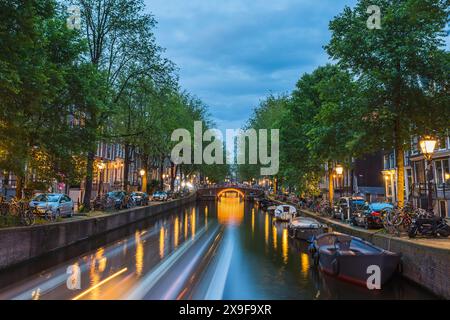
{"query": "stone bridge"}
(216, 192)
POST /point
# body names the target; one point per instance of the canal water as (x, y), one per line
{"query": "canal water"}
(227, 249)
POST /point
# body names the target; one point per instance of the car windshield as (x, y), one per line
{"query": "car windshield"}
(138, 194)
(358, 203)
(380, 206)
(47, 198)
(114, 194)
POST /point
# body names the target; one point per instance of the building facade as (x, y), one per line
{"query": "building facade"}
(361, 178)
(416, 183)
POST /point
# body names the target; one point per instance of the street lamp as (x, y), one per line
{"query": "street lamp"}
(427, 145)
(339, 170)
(101, 166)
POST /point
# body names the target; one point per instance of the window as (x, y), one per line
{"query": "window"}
(409, 180)
(392, 160)
(441, 144)
(414, 145)
(419, 170)
(439, 177)
(442, 171)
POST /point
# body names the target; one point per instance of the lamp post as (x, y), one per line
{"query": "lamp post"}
(143, 180)
(339, 171)
(427, 145)
(101, 166)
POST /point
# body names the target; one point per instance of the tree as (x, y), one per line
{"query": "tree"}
(121, 43)
(37, 62)
(402, 68)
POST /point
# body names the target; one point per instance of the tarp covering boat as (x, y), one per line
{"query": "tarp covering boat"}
(352, 259)
(306, 228)
(285, 212)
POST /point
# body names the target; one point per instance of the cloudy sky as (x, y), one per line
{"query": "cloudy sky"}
(233, 53)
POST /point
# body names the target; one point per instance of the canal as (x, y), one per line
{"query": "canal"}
(228, 249)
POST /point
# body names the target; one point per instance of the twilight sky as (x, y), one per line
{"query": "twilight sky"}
(232, 53)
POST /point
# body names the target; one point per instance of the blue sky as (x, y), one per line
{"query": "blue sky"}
(233, 53)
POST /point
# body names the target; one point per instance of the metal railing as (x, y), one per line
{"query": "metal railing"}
(439, 191)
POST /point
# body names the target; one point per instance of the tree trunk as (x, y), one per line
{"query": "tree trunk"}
(400, 162)
(145, 176)
(126, 167)
(88, 180)
(330, 185)
(161, 180)
(19, 186)
(172, 176)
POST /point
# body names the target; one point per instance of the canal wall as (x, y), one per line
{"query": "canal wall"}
(23, 243)
(424, 261)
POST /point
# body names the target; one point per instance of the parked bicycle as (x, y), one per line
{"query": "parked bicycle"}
(103, 203)
(398, 220)
(325, 209)
(23, 211)
(429, 226)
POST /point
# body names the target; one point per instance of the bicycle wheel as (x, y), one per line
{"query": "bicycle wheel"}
(31, 219)
(49, 216)
(27, 218)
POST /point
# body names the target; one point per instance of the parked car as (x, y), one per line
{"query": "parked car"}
(370, 215)
(121, 199)
(170, 195)
(60, 204)
(346, 206)
(140, 198)
(160, 196)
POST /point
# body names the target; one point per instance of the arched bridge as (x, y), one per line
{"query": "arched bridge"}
(223, 191)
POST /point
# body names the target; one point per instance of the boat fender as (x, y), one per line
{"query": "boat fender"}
(335, 266)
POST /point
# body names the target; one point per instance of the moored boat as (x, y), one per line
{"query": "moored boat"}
(285, 212)
(305, 228)
(349, 258)
(271, 209)
(265, 203)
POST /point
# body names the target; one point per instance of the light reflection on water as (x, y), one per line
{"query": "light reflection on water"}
(161, 242)
(284, 246)
(230, 211)
(139, 254)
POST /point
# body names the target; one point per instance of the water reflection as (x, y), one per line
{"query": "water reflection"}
(185, 224)
(193, 222)
(97, 266)
(176, 232)
(304, 263)
(284, 245)
(253, 222)
(139, 254)
(230, 211)
(161, 242)
(274, 236)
